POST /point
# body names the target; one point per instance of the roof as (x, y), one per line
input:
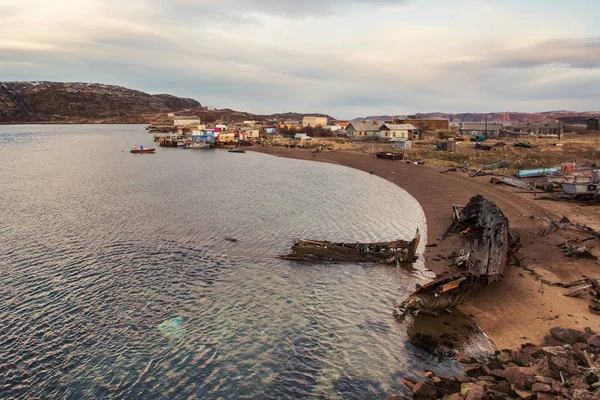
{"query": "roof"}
(596, 117)
(187, 117)
(424, 118)
(467, 126)
(533, 125)
(369, 127)
(399, 127)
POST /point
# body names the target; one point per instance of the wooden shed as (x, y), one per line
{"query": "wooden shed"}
(446, 146)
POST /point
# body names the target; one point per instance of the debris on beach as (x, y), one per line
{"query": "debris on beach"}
(396, 251)
(526, 145)
(566, 366)
(579, 252)
(587, 286)
(479, 146)
(498, 165)
(511, 182)
(231, 239)
(485, 258)
(565, 223)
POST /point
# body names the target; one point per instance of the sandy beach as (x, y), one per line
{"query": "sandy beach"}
(525, 305)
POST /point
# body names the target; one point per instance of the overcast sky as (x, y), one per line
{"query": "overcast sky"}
(347, 58)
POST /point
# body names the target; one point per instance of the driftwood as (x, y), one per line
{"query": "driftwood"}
(584, 287)
(565, 223)
(486, 257)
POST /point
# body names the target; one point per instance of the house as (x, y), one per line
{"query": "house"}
(314, 122)
(490, 130)
(363, 130)
(222, 127)
(424, 123)
(300, 136)
(401, 144)
(249, 133)
(342, 124)
(547, 127)
(203, 136)
(291, 125)
(226, 137)
(186, 120)
(446, 146)
(270, 131)
(392, 131)
(593, 124)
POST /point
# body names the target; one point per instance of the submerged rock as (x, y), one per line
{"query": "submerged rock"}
(172, 328)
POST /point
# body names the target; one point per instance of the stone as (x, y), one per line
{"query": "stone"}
(524, 394)
(426, 374)
(577, 382)
(486, 378)
(504, 357)
(436, 379)
(498, 373)
(477, 393)
(581, 394)
(551, 342)
(512, 375)
(455, 396)
(532, 350)
(463, 378)
(594, 341)
(561, 360)
(522, 359)
(579, 347)
(546, 396)
(424, 390)
(472, 370)
(502, 388)
(463, 359)
(569, 336)
(544, 379)
(465, 388)
(541, 387)
(408, 383)
(396, 398)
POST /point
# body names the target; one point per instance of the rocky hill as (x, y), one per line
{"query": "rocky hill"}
(493, 117)
(22, 102)
(293, 116)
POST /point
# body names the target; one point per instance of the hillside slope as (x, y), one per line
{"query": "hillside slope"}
(83, 102)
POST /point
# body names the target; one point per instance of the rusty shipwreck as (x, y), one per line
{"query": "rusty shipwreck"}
(395, 251)
(484, 259)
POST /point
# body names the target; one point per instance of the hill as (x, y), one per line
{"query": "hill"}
(293, 116)
(493, 117)
(22, 102)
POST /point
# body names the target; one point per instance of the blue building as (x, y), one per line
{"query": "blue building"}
(207, 136)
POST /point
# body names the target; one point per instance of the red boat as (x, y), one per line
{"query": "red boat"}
(143, 151)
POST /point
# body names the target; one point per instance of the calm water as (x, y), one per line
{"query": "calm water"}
(116, 280)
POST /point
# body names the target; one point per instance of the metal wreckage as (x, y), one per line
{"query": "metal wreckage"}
(484, 259)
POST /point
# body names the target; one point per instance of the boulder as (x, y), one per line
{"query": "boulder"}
(455, 396)
(502, 388)
(580, 394)
(465, 388)
(546, 396)
(594, 341)
(473, 370)
(521, 358)
(498, 373)
(560, 359)
(424, 390)
(524, 394)
(544, 379)
(512, 375)
(408, 383)
(462, 358)
(504, 357)
(570, 336)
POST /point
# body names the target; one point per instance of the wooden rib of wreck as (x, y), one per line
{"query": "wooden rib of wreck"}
(396, 251)
(486, 258)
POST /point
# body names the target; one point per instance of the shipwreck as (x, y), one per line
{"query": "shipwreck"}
(484, 260)
(395, 251)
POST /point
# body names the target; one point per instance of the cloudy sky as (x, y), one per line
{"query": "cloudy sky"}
(347, 58)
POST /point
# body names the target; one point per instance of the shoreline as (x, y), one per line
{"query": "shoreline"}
(523, 307)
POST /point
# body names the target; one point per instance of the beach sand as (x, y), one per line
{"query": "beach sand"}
(522, 308)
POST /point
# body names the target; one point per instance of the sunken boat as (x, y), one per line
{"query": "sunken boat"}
(395, 251)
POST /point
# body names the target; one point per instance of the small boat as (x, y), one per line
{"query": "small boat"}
(197, 145)
(143, 151)
(581, 188)
(237, 150)
(389, 155)
(396, 251)
(534, 173)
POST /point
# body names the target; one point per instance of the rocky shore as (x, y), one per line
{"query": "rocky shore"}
(565, 367)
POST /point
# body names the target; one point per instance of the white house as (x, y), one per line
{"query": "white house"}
(314, 122)
(398, 131)
(186, 120)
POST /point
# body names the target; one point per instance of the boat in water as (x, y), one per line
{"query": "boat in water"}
(141, 150)
(237, 150)
(396, 251)
(197, 145)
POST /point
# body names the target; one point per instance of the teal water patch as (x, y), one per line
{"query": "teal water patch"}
(172, 328)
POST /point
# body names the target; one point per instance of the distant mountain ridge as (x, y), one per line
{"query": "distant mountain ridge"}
(23, 102)
(492, 117)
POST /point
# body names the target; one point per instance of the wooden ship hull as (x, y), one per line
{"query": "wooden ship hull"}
(396, 251)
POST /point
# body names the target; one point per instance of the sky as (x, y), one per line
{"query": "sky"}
(346, 58)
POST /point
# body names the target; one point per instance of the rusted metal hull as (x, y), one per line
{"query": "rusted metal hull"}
(400, 251)
(488, 249)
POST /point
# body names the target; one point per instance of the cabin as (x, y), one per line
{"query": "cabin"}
(489, 130)
(446, 146)
(593, 124)
(547, 127)
(225, 137)
(249, 133)
(424, 123)
(207, 136)
(270, 131)
(363, 130)
(393, 131)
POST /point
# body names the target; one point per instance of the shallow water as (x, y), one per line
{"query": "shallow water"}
(116, 280)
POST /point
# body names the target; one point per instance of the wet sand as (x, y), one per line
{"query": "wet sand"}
(521, 308)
